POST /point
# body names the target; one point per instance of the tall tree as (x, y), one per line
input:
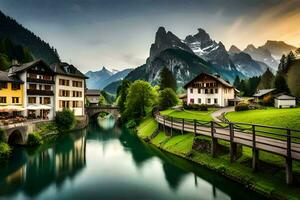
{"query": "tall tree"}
(141, 97)
(280, 83)
(237, 82)
(267, 80)
(122, 93)
(167, 79)
(167, 98)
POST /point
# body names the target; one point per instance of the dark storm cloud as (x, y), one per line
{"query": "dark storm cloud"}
(119, 32)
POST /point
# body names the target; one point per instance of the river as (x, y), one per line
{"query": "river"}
(109, 163)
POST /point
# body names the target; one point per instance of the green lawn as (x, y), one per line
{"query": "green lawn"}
(287, 118)
(188, 114)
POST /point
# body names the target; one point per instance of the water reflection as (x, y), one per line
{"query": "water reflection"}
(109, 163)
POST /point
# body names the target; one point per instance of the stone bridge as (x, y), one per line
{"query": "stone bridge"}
(17, 134)
(95, 110)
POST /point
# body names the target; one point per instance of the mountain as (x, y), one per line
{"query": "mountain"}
(262, 54)
(22, 36)
(249, 67)
(100, 79)
(234, 50)
(278, 48)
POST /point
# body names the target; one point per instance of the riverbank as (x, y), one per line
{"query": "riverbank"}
(269, 180)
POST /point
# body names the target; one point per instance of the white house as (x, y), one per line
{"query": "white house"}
(211, 90)
(38, 92)
(69, 88)
(285, 101)
(92, 97)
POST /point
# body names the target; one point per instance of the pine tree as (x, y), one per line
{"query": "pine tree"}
(280, 83)
(237, 82)
(267, 80)
(167, 79)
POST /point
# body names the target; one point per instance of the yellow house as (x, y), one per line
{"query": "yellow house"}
(11, 94)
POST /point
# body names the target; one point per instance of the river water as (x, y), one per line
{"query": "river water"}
(109, 163)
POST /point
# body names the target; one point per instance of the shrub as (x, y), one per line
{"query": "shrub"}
(3, 136)
(241, 107)
(198, 107)
(5, 150)
(65, 120)
(167, 98)
(34, 139)
(131, 124)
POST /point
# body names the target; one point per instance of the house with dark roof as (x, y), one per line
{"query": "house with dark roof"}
(39, 85)
(92, 97)
(69, 88)
(211, 90)
(263, 93)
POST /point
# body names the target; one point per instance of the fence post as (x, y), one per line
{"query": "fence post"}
(214, 141)
(195, 127)
(255, 155)
(164, 124)
(171, 126)
(182, 126)
(233, 146)
(289, 162)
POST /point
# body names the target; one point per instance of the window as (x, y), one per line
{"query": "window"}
(64, 82)
(2, 99)
(191, 100)
(41, 100)
(208, 101)
(47, 100)
(47, 87)
(206, 91)
(64, 93)
(31, 99)
(76, 83)
(199, 90)
(15, 99)
(47, 77)
(33, 76)
(3, 86)
(32, 86)
(191, 90)
(15, 86)
(77, 104)
(211, 91)
(216, 101)
(199, 100)
(77, 94)
(216, 91)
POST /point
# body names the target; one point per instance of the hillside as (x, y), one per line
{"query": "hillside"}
(22, 36)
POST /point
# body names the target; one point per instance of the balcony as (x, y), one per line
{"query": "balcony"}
(34, 80)
(40, 92)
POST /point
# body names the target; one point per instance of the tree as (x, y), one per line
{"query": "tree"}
(101, 101)
(280, 83)
(65, 119)
(237, 82)
(267, 80)
(122, 92)
(167, 79)
(141, 97)
(167, 98)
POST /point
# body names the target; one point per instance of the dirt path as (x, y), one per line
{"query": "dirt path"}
(219, 112)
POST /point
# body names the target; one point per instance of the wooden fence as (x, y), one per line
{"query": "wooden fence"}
(277, 140)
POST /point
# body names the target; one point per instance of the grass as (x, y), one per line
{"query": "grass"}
(287, 118)
(269, 180)
(188, 114)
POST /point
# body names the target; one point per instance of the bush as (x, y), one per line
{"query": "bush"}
(5, 150)
(65, 120)
(167, 98)
(241, 107)
(3, 136)
(197, 107)
(34, 139)
(131, 124)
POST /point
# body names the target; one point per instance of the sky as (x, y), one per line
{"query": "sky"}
(118, 33)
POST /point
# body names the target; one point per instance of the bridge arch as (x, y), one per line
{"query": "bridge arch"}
(95, 110)
(15, 138)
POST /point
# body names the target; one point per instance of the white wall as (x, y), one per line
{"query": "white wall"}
(77, 111)
(284, 103)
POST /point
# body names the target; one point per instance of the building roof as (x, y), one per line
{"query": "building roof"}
(4, 77)
(263, 92)
(66, 69)
(92, 92)
(20, 68)
(217, 78)
(285, 97)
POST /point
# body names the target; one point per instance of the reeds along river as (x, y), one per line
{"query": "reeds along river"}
(109, 163)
